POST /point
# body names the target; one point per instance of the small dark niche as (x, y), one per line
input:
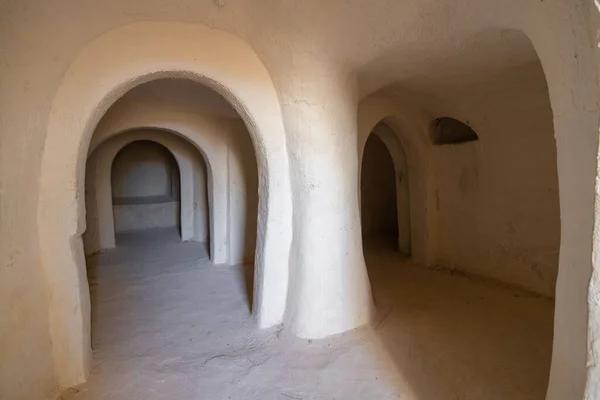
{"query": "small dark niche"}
(446, 130)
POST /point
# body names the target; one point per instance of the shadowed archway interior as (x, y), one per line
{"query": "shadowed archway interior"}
(146, 189)
(379, 208)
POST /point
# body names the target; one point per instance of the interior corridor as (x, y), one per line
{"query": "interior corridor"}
(166, 324)
(307, 200)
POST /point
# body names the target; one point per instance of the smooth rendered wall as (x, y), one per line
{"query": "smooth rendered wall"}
(139, 217)
(144, 170)
(497, 197)
(379, 211)
(145, 188)
(92, 238)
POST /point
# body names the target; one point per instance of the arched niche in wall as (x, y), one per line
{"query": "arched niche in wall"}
(145, 183)
(195, 178)
(406, 139)
(446, 130)
(400, 178)
(168, 50)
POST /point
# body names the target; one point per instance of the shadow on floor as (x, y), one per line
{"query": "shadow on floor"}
(453, 337)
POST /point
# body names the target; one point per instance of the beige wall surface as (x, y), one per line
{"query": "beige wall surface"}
(304, 74)
(498, 203)
(226, 173)
(144, 169)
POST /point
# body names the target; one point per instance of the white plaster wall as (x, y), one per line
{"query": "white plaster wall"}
(497, 198)
(36, 103)
(134, 217)
(243, 195)
(481, 95)
(143, 169)
(493, 206)
(185, 95)
(93, 239)
(145, 182)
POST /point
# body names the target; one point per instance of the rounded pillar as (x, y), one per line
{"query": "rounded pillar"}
(329, 286)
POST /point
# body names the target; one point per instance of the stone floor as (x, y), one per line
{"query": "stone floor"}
(169, 325)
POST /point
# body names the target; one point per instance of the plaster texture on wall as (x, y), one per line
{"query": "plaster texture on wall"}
(243, 196)
(331, 291)
(498, 203)
(145, 182)
(145, 187)
(493, 205)
(144, 170)
(54, 92)
(530, 129)
(183, 95)
(135, 217)
(404, 130)
(568, 62)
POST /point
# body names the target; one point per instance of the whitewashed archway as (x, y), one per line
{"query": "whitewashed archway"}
(117, 62)
(410, 133)
(206, 134)
(102, 234)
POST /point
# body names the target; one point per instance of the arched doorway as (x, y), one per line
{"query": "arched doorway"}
(156, 192)
(192, 193)
(146, 190)
(385, 199)
(61, 247)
